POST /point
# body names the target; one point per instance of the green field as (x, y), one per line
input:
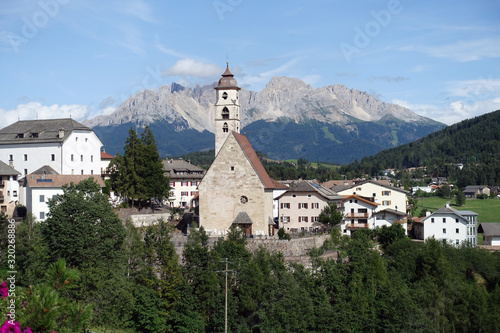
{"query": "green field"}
(488, 210)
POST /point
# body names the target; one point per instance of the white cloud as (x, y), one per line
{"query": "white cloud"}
(455, 111)
(190, 67)
(479, 88)
(32, 110)
(139, 9)
(462, 51)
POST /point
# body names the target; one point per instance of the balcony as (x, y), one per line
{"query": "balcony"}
(357, 215)
(401, 221)
(356, 226)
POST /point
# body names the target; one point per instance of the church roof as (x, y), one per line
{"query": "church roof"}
(255, 162)
(242, 218)
(40, 130)
(227, 81)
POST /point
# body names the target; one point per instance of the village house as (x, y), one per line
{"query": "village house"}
(473, 191)
(491, 233)
(450, 225)
(300, 206)
(236, 189)
(9, 189)
(184, 180)
(105, 161)
(358, 214)
(63, 144)
(385, 195)
(42, 187)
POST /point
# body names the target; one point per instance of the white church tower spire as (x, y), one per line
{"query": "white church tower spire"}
(227, 109)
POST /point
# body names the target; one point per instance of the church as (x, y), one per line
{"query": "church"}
(236, 188)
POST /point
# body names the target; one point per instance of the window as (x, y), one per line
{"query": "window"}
(457, 230)
(444, 230)
(54, 196)
(53, 157)
(386, 203)
(302, 218)
(225, 113)
(42, 198)
(25, 171)
(444, 219)
(315, 205)
(308, 195)
(184, 194)
(14, 193)
(224, 95)
(285, 219)
(243, 199)
(72, 158)
(285, 205)
(42, 215)
(81, 158)
(91, 172)
(374, 194)
(72, 171)
(225, 128)
(232, 168)
(171, 193)
(294, 195)
(358, 188)
(386, 193)
(456, 220)
(314, 218)
(91, 158)
(86, 139)
(193, 193)
(457, 241)
(303, 205)
(25, 157)
(432, 220)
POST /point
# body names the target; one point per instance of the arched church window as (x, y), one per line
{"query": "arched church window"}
(225, 128)
(224, 95)
(225, 113)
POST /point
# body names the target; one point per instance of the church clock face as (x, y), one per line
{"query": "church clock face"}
(243, 199)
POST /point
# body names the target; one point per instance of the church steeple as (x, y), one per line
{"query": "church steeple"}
(227, 108)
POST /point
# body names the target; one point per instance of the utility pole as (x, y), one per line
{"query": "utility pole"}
(227, 262)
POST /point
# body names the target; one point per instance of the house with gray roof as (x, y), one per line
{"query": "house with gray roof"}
(450, 225)
(184, 180)
(491, 233)
(472, 191)
(300, 206)
(65, 145)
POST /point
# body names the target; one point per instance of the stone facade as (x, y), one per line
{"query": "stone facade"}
(231, 186)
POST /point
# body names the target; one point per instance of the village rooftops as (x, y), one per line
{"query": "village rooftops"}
(39, 131)
(59, 180)
(7, 170)
(309, 186)
(182, 169)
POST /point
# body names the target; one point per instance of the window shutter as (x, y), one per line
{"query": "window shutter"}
(307, 219)
(281, 205)
(299, 205)
(306, 208)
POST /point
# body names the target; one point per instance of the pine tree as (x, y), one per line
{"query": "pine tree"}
(153, 174)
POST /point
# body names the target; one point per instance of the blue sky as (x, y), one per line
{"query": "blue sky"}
(83, 58)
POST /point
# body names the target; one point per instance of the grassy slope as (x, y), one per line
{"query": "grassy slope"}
(488, 210)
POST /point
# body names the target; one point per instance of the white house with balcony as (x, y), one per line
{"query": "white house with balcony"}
(63, 144)
(358, 214)
(9, 189)
(449, 225)
(386, 196)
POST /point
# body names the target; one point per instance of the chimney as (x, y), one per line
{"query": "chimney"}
(447, 204)
(11, 164)
(61, 133)
(427, 213)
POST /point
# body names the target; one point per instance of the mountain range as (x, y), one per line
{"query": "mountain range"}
(287, 119)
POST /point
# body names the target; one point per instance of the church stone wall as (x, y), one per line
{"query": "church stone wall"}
(230, 178)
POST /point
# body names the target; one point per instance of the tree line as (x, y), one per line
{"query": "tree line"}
(83, 269)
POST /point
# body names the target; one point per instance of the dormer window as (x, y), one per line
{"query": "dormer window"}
(224, 95)
(34, 135)
(20, 135)
(225, 128)
(225, 113)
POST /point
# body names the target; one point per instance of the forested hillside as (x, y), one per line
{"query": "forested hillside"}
(474, 142)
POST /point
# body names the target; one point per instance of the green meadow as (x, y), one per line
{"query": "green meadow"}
(488, 210)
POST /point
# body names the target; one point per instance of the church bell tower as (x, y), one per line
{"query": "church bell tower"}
(227, 108)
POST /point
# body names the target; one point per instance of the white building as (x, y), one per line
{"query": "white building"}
(450, 225)
(63, 144)
(105, 160)
(358, 214)
(386, 196)
(184, 180)
(42, 187)
(9, 189)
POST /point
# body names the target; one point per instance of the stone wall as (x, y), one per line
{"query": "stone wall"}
(289, 248)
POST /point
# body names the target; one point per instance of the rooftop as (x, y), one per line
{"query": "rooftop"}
(57, 181)
(43, 130)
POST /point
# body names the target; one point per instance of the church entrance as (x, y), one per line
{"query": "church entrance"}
(247, 229)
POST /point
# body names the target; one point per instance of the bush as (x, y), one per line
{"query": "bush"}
(282, 234)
